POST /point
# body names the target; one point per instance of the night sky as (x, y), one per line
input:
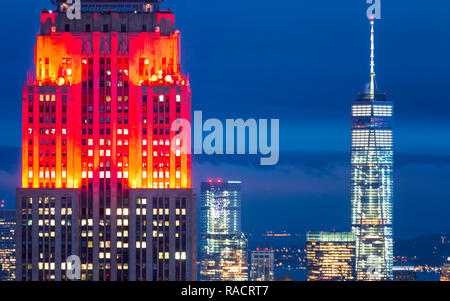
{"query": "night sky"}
(302, 62)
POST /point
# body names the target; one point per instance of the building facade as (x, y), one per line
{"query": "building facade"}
(7, 245)
(330, 256)
(372, 181)
(262, 265)
(223, 246)
(105, 174)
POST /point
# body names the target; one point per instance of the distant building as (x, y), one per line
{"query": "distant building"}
(445, 271)
(223, 247)
(404, 273)
(262, 265)
(330, 256)
(7, 245)
(283, 278)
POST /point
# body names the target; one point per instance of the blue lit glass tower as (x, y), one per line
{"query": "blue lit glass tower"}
(223, 247)
(372, 181)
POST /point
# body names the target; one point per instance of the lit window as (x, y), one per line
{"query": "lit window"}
(178, 98)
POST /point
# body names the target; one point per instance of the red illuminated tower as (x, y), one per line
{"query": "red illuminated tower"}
(103, 175)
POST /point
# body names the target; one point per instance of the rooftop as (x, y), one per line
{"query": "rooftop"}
(111, 5)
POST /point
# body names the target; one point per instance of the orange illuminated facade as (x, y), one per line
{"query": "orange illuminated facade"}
(97, 113)
(100, 99)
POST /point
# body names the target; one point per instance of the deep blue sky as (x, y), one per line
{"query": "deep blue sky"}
(302, 62)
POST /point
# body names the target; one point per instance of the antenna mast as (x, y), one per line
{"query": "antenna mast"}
(372, 57)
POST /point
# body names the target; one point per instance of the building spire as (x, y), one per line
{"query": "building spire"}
(372, 57)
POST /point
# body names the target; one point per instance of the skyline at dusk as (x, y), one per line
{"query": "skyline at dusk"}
(303, 63)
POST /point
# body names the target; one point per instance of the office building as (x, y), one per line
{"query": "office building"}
(330, 256)
(223, 246)
(7, 245)
(372, 181)
(262, 264)
(105, 176)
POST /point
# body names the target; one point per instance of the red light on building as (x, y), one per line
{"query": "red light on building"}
(97, 141)
(141, 92)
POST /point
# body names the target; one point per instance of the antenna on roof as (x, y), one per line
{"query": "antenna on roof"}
(372, 58)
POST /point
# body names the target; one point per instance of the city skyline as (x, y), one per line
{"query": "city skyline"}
(308, 190)
(314, 160)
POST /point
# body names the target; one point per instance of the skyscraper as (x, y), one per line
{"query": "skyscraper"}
(372, 180)
(223, 246)
(104, 176)
(262, 264)
(330, 256)
(7, 245)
